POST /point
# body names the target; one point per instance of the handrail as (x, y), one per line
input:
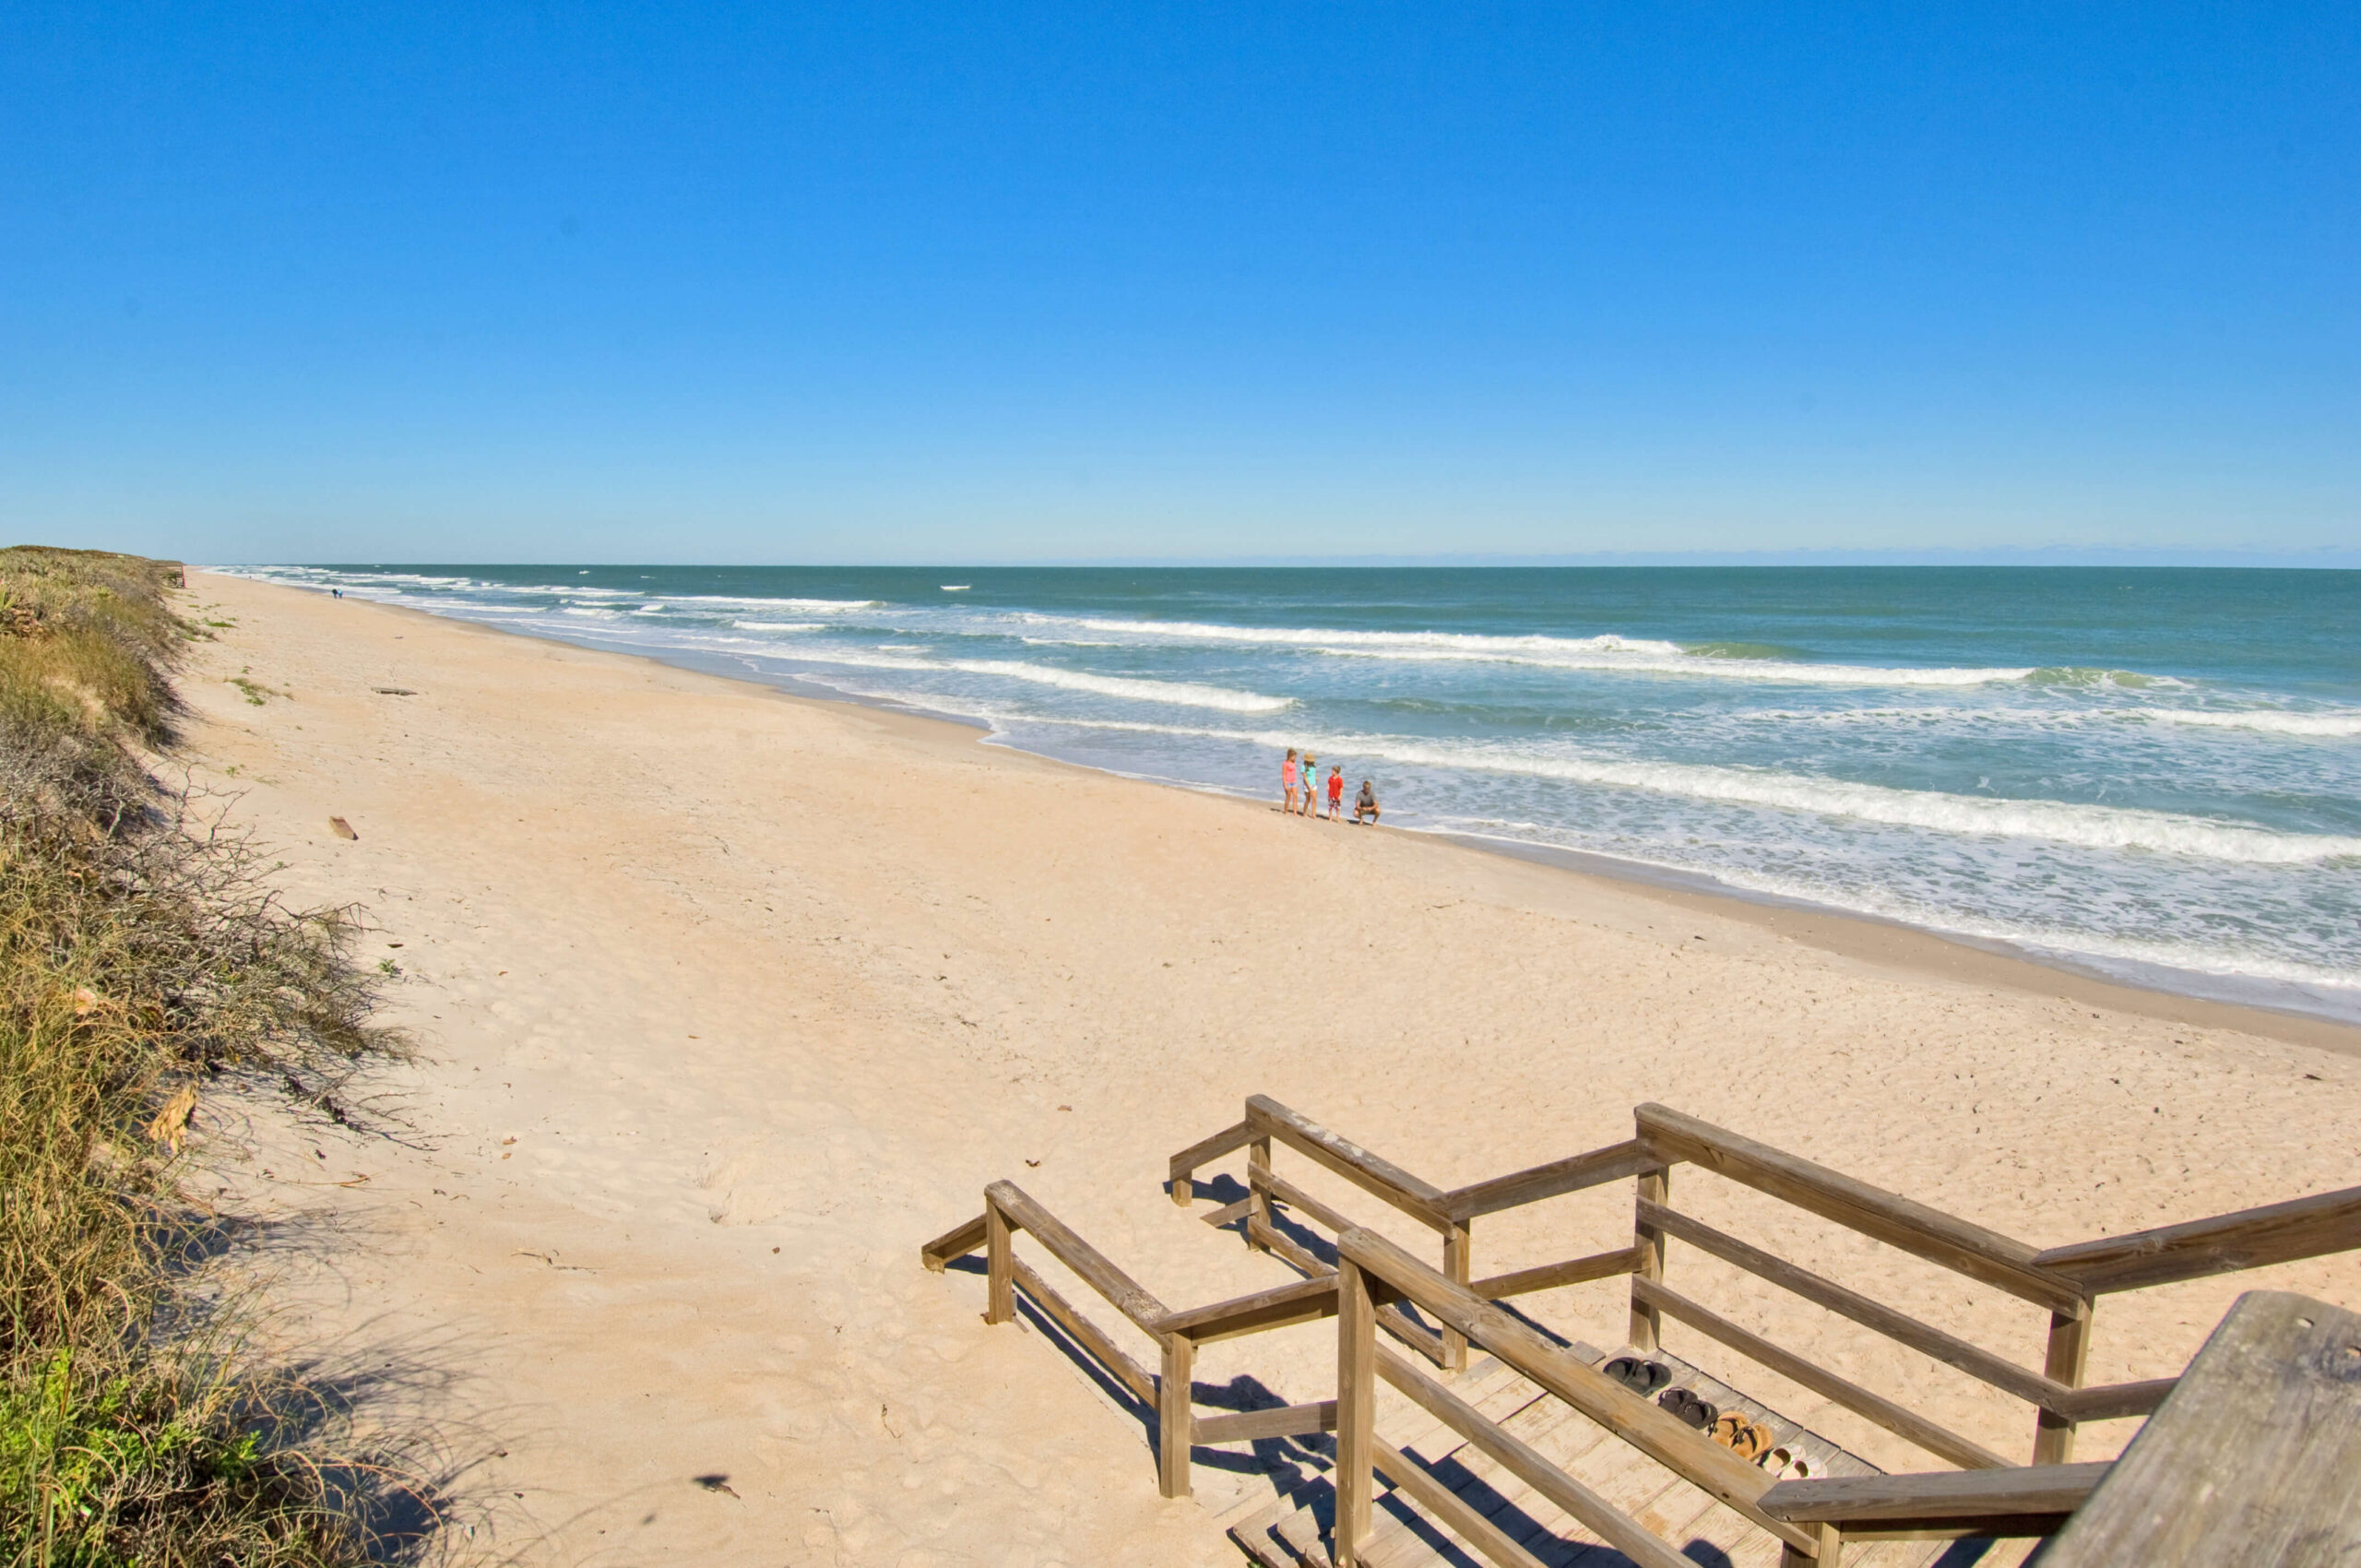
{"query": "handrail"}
(1664, 1438)
(1380, 1177)
(1554, 1180)
(1302, 1300)
(2281, 1232)
(1096, 1269)
(1957, 1244)
(1973, 1359)
(1550, 1275)
(2026, 1500)
(1184, 1164)
(1895, 1417)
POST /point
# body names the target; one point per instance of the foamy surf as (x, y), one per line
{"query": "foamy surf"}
(2156, 774)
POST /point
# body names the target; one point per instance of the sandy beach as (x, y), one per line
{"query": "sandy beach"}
(726, 1000)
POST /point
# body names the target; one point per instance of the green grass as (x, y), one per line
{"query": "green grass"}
(139, 962)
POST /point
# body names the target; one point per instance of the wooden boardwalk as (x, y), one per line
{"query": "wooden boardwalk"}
(1292, 1531)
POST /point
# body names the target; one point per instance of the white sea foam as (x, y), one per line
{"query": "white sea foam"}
(1606, 652)
(1182, 693)
(2061, 822)
(1185, 693)
(2276, 722)
(778, 625)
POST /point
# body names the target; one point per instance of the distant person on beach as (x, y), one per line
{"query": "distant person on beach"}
(1286, 778)
(1311, 784)
(1366, 806)
(338, 592)
(1335, 791)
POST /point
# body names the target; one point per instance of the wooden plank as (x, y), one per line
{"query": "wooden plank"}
(1295, 1197)
(1174, 1417)
(2251, 1459)
(1937, 1494)
(1654, 1187)
(1458, 1257)
(1229, 1213)
(1616, 1527)
(1249, 1426)
(1380, 1178)
(957, 1242)
(1929, 1340)
(1355, 1412)
(1086, 1333)
(2114, 1400)
(1907, 1423)
(1202, 1152)
(1955, 1243)
(1298, 1301)
(999, 1305)
(1088, 1262)
(1391, 1318)
(1555, 1178)
(2301, 1227)
(2068, 1353)
(1550, 1275)
(1456, 1516)
(1669, 1441)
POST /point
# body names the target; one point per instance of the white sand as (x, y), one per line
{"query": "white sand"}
(765, 990)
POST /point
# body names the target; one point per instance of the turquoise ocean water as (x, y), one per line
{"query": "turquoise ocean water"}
(2152, 774)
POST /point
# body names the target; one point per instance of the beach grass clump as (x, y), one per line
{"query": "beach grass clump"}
(143, 961)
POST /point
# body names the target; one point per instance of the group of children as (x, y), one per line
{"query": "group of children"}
(1301, 782)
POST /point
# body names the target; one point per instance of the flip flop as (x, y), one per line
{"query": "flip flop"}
(1730, 1429)
(1754, 1440)
(1686, 1407)
(1642, 1378)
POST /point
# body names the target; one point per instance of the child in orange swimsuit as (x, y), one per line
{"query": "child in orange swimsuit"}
(1335, 791)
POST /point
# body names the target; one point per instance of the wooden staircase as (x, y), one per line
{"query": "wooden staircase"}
(1527, 1454)
(1293, 1530)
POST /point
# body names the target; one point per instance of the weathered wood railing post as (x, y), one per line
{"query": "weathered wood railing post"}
(1356, 1410)
(1655, 1185)
(1000, 1295)
(1456, 1257)
(1832, 1548)
(2069, 1352)
(1174, 1413)
(1258, 1191)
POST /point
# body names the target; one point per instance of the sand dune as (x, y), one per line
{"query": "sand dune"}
(764, 990)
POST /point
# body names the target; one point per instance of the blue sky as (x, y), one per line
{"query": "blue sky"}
(1009, 282)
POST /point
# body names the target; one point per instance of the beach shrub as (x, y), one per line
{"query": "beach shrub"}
(143, 958)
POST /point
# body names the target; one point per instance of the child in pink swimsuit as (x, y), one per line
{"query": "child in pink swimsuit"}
(1287, 777)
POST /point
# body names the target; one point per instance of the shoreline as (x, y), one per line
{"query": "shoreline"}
(724, 998)
(1849, 934)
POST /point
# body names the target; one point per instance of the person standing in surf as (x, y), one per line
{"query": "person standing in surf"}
(1286, 781)
(1311, 784)
(1335, 791)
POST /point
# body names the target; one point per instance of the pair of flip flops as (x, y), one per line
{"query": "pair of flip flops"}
(1685, 1406)
(1642, 1378)
(1747, 1439)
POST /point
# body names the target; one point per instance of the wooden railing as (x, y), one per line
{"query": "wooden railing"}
(1008, 1209)
(1372, 1271)
(2067, 1281)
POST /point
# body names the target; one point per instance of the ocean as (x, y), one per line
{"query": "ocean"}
(2154, 775)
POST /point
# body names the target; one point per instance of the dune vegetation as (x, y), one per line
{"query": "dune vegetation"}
(144, 970)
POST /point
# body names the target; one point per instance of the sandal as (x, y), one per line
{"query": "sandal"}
(1776, 1462)
(1730, 1429)
(1686, 1407)
(1642, 1378)
(1754, 1440)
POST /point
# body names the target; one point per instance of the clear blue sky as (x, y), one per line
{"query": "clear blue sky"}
(941, 282)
